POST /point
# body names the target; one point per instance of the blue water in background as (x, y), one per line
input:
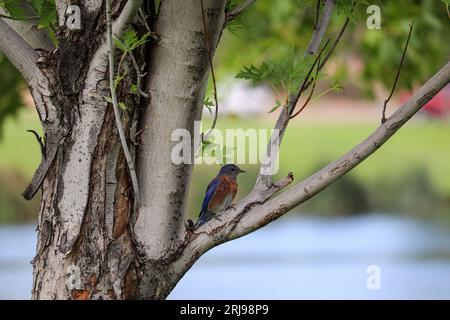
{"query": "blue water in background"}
(295, 258)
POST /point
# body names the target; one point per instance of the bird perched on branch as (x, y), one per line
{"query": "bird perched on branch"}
(220, 193)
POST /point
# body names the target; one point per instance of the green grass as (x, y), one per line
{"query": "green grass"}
(308, 145)
(419, 153)
(19, 150)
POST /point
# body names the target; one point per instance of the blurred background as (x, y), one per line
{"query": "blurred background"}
(392, 212)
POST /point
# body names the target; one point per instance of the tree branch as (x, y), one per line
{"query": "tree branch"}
(264, 180)
(127, 15)
(123, 139)
(256, 210)
(36, 38)
(19, 52)
(320, 28)
(238, 10)
(309, 187)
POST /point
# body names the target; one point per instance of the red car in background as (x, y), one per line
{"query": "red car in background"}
(438, 107)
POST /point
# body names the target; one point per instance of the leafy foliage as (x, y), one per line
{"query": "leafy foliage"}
(217, 152)
(277, 105)
(269, 29)
(130, 41)
(209, 104)
(45, 11)
(232, 4)
(287, 72)
(262, 38)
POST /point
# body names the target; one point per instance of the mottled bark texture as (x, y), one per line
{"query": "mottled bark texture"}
(91, 245)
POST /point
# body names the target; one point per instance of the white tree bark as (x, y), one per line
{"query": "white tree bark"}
(18, 51)
(176, 82)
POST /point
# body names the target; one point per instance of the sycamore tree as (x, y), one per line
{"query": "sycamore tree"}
(113, 79)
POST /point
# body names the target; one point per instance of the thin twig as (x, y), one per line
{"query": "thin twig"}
(335, 43)
(205, 31)
(136, 68)
(39, 140)
(306, 81)
(139, 76)
(383, 115)
(329, 53)
(238, 10)
(316, 21)
(144, 18)
(123, 140)
(18, 19)
(310, 93)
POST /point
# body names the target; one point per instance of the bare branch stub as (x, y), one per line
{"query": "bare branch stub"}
(238, 10)
(39, 140)
(383, 115)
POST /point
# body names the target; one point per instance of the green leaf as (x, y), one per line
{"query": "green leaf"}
(48, 18)
(37, 5)
(208, 103)
(255, 74)
(118, 79)
(277, 105)
(130, 41)
(205, 143)
(134, 88)
(122, 106)
(337, 85)
(118, 43)
(14, 9)
(287, 72)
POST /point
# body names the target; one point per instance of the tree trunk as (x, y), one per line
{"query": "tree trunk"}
(90, 243)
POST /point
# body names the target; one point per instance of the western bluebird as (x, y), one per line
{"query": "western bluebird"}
(220, 193)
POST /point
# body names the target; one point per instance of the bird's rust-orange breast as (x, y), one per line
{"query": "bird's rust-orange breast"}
(224, 194)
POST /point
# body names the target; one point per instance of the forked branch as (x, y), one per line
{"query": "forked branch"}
(259, 208)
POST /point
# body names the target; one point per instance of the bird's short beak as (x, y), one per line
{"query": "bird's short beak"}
(241, 171)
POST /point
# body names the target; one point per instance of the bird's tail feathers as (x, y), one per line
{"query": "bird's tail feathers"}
(204, 217)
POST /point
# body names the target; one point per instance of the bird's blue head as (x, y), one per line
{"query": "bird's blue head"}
(230, 170)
